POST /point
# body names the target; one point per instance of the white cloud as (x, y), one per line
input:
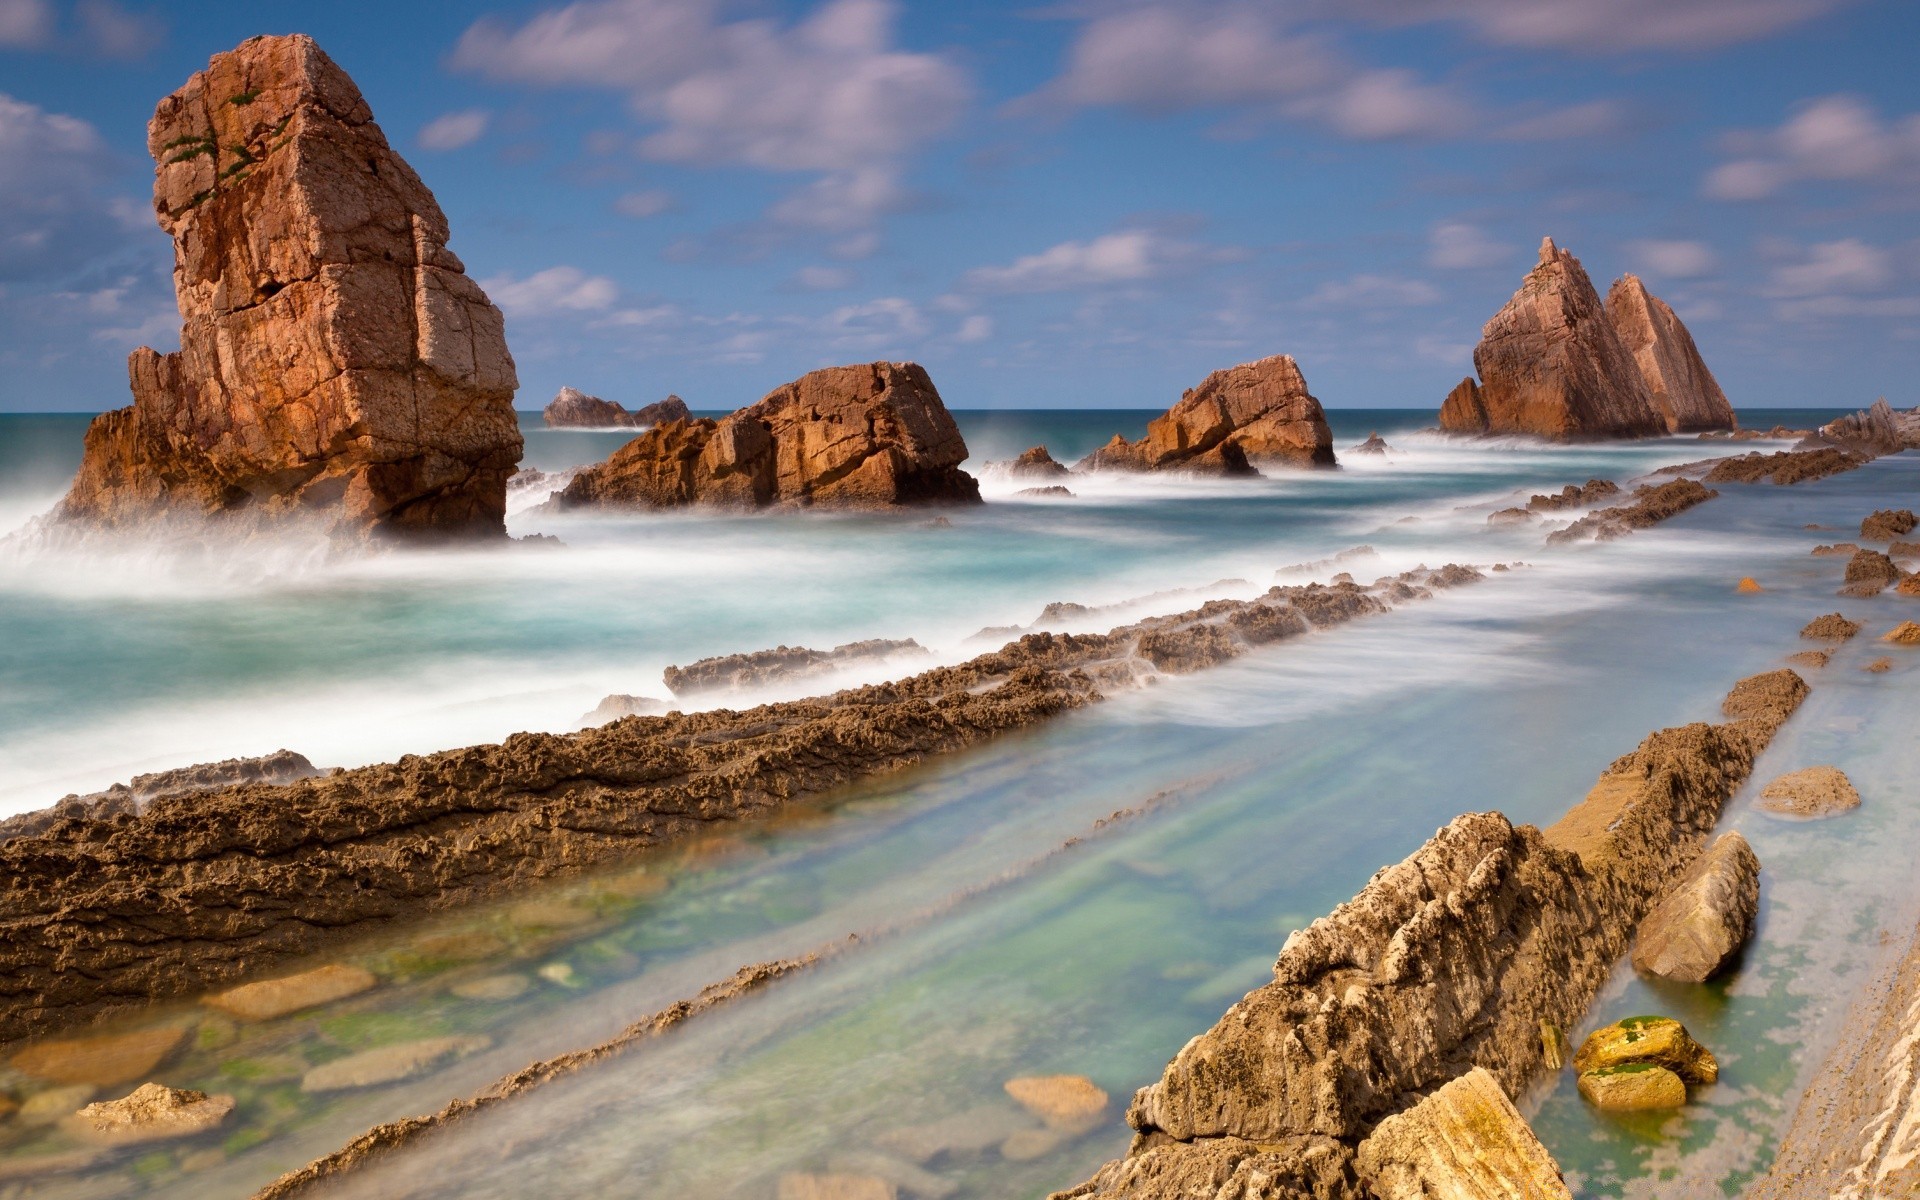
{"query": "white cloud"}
(1671, 259)
(843, 202)
(1458, 246)
(1587, 26)
(1827, 268)
(889, 322)
(976, 328)
(1124, 257)
(1833, 138)
(25, 23)
(455, 129)
(641, 205)
(1375, 291)
(55, 210)
(556, 289)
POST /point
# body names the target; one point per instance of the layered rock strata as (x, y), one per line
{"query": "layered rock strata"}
(866, 436)
(1258, 413)
(733, 672)
(282, 766)
(336, 364)
(1464, 1140)
(1552, 364)
(1455, 958)
(1874, 431)
(1651, 504)
(1699, 927)
(1786, 467)
(1683, 390)
(574, 409)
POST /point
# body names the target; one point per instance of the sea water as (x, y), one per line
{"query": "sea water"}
(1078, 898)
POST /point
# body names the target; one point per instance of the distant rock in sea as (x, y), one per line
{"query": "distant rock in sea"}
(1375, 444)
(337, 365)
(1036, 463)
(1258, 413)
(1874, 431)
(1553, 363)
(574, 409)
(866, 436)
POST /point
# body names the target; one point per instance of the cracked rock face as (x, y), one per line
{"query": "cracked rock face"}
(871, 435)
(1682, 388)
(1236, 420)
(336, 362)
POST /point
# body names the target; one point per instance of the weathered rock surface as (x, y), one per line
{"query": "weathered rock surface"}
(1888, 524)
(867, 436)
(1069, 1103)
(1810, 792)
(1571, 496)
(1235, 421)
(1697, 929)
(1684, 391)
(733, 672)
(1035, 463)
(152, 1112)
(1632, 1087)
(574, 409)
(1551, 364)
(1054, 491)
(1786, 466)
(1651, 504)
(1464, 1141)
(282, 766)
(103, 1058)
(1834, 627)
(389, 1064)
(1661, 1041)
(268, 998)
(337, 365)
(623, 704)
(1876, 430)
(1869, 572)
(1906, 633)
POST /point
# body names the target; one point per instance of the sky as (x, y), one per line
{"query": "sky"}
(1083, 204)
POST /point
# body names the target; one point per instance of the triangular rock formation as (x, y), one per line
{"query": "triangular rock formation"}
(1683, 389)
(336, 363)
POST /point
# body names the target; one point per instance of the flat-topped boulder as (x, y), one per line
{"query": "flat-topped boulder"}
(336, 364)
(872, 435)
(574, 409)
(1255, 414)
(1684, 391)
(1552, 364)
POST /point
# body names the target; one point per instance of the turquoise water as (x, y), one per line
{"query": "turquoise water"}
(1268, 790)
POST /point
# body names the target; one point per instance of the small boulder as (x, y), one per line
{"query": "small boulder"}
(1888, 524)
(1698, 927)
(1632, 1087)
(1825, 551)
(1375, 444)
(1070, 1103)
(153, 1111)
(1831, 628)
(269, 998)
(1879, 666)
(389, 1064)
(1811, 792)
(1910, 586)
(1036, 463)
(1906, 633)
(1466, 1140)
(1868, 573)
(1811, 658)
(621, 704)
(1661, 1041)
(1748, 586)
(1055, 491)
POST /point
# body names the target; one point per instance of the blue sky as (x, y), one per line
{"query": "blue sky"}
(1074, 205)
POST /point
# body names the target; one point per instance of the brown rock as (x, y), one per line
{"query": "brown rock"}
(494, 989)
(1651, 504)
(1551, 364)
(1875, 430)
(866, 436)
(54, 1105)
(1904, 550)
(269, 998)
(1906, 633)
(1868, 573)
(1464, 1140)
(1662, 1041)
(282, 766)
(967, 1132)
(1237, 419)
(389, 1064)
(1570, 496)
(1810, 792)
(1910, 586)
(574, 409)
(731, 672)
(621, 704)
(1831, 628)
(1811, 658)
(1512, 516)
(105, 1059)
(1632, 1087)
(1888, 524)
(796, 1185)
(1835, 550)
(1786, 466)
(1748, 585)
(1069, 1103)
(1375, 444)
(1684, 391)
(1879, 666)
(336, 362)
(1029, 1144)
(1697, 928)
(1036, 463)
(1054, 491)
(152, 1112)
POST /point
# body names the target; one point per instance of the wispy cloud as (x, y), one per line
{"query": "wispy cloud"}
(1833, 138)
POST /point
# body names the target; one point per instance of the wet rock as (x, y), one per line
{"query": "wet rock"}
(1236, 420)
(1878, 666)
(1810, 792)
(1069, 1103)
(1786, 466)
(1907, 633)
(389, 1064)
(1748, 585)
(1838, 548)
(1869, 572)
(1036, 463)
(573, 408)
(1632, 1087)
(796, 1185)
(269, 998)
(1551, 364)
(1464, 1140)
(54, 1104)
(1696, 929)
(282, 766)
(968, 1132)
(458, 946)
(1661, 1041)
(619, 705)
(1684, 391)
(1831, 628)
(1908, 586)
(492, 988)
(1888, 524)
(734, 672)
(1594, 491)
(1811, 658)
(337, 365)
(1055, 491)
(1652, 504)
(1904, 550)
(1512, 516)
(1375, 444)
(104, 1058)
(151, 1113)
(872, 435)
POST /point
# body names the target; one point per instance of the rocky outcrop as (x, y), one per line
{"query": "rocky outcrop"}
(1906, 633)
(282, 766)
(336, 364)
(1683, 390)
(1375, 444)
(1464, 1141)
(1570, 496)
(1035, 463)
(1810, 792)
(1786, 466)
(152, 1112)
(1551, 364)
(1834, 627)
(574, 409)
(867, 436)
(1874, 431)
(1255, 414)
(1642, 1063)
(734, 672)
(1869, 572)
(1697, 929)
(1888, 524)
(1651, 504)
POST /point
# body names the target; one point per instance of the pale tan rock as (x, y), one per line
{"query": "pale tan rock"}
(1464, 1141)
(1662, 1041)
(152, 1112)
(1028, 1144)
(1697, 928)
(54, 1104)
(389, 1064)
(799, 1185)
(1551, 364)
(1906, 633)
(1632, 1087)
(493, 988)
(1684, 391)
(1810, 792)
(104, 1058)
(337, 365)
(1236, 420)
(966, 1132)
(1069, 1103)
(269, 998)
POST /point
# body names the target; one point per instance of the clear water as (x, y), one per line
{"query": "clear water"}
(990, 947)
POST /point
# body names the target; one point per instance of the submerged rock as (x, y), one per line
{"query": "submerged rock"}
(1055, 491)
(152, 1112)
(968, 1132)
(101, 1058)
(389, 1064)
(871, 435)
(1236, 420)
(1888, 524)
(1696, 929)
(573, 408)
(1463, 1141)
(1810, 792)
(1632, 1087)
(1661, 1041)
(1683, 390)
(337, 365)
(1069, 1103)
(269, 998)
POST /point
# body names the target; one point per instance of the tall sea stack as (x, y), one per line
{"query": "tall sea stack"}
(336, 365)
(1684, 391)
